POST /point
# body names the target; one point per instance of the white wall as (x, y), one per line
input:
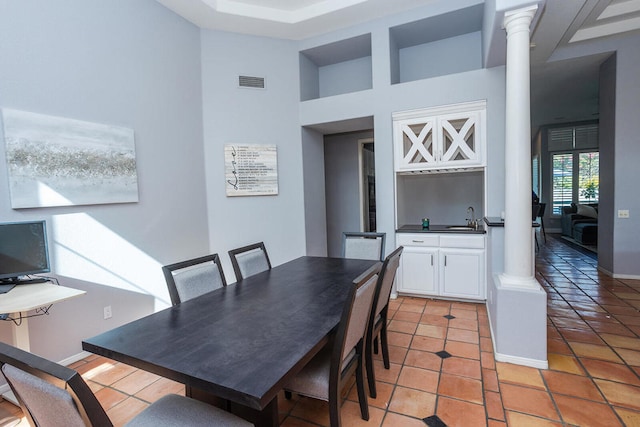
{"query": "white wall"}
(131, 64)
(233, 115)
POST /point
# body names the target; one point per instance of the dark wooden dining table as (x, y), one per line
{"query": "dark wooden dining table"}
(243, 342)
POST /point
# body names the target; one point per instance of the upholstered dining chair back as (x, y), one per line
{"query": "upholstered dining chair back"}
(249, 260)
(194, 277)
(378, 319)
(330, 370)
(363, 245)
(52, 395)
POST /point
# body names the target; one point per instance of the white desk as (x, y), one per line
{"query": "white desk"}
(25, 298)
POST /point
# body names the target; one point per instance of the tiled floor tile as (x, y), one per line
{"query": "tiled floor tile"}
(517, 419)
(124, 411)
(420, 379)
(159, 388)
(593, 351)
(399, 339)
(631, 357)
(521, 375)
(462, 349)
(629, 417)
(350, 414)
(610, 371)
(571, 385)
(402, 326)
(431, 331)
(463, 335)
(529, 401)
(456, 413)
(581, 335)
(620, 394)
(414, 403)
(407, 316)
(559, 362)
(423, 359)
(463, 367)
(494, 405)
(490, 379)
(397, 420)
(586, 413)
(427, 344)
(136, 381)
(460, 388)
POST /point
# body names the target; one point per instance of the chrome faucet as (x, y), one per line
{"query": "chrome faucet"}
(472, 222)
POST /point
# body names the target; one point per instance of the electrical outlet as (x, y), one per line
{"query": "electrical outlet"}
(623, 213)
(107, 312)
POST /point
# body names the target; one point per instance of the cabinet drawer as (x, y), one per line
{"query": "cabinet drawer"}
(417, 239)
(462, 241)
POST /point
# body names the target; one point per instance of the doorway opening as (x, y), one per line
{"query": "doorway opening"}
(367, 185)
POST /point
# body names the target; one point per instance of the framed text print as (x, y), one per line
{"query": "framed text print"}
(251, 170)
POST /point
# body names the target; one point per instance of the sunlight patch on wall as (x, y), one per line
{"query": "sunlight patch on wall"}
(85, 249)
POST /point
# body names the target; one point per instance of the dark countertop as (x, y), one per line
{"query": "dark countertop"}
(494, 221)
(435, 228)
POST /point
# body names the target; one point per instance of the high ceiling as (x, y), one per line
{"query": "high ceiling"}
(562, 90)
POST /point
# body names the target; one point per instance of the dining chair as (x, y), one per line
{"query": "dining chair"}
(52, 395)
(378, 320)
(194, 277)
(249, 260)
(535, 213)
(543, 208)
(363, 245)
(328, 372)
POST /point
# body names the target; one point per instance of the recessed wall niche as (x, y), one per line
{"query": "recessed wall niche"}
(436, 46)
(336, 68)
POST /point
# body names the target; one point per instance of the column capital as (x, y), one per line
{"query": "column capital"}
(519, 19)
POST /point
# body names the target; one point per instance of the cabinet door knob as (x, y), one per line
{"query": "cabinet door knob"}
(432, 259)
(418, 241)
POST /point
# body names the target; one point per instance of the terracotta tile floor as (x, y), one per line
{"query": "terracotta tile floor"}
(593, 377)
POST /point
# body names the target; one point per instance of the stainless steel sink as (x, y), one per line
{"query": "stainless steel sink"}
(460, 227)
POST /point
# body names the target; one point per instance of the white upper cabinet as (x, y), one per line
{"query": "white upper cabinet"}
(441, 138)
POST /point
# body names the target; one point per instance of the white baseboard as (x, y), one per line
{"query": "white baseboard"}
(73, 359)
(534, 363)
(619, 276)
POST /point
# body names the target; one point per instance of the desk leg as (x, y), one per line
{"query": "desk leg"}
(21, 332)
(21, 340)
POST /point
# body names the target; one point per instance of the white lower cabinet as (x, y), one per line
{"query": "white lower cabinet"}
(447, 265)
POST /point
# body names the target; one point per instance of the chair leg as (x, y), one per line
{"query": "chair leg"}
(544, 233)
(385, 345)
(375, 345)
(287, 394)
(334, 407)
(362, 395)
(371, 376)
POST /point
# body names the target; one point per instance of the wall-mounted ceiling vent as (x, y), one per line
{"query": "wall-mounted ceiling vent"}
(251, 82)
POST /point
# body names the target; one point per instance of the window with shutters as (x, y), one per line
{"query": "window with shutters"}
(575, 165)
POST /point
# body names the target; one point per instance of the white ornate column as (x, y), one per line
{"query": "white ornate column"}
(516, 302)
(518, 246)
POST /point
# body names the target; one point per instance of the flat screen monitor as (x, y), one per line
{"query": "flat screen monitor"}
(23, 250)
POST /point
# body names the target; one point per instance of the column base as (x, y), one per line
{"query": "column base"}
(518, 320)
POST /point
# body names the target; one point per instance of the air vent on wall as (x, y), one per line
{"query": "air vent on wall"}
(251, 82)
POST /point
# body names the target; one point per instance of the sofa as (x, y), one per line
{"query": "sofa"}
(580, 222)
